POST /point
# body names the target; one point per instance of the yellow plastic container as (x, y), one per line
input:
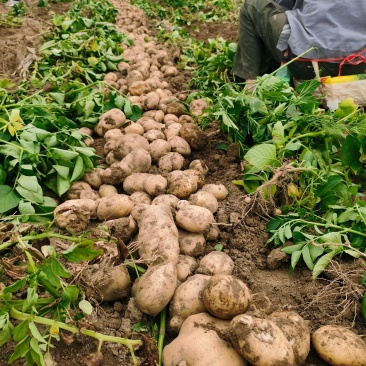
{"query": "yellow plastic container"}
(339, 79)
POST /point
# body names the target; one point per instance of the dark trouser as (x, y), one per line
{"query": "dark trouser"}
(260, 25)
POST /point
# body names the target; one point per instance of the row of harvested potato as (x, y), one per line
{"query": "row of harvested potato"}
(150, 195)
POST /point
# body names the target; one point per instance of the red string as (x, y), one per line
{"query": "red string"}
(353, 59)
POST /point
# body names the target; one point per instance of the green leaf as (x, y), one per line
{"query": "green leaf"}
(295, 257)
(322, 263)
(20, 331)
(29, 188)
(67, 155)
(70, 295)
(78, 171)
(58, 97)
(11, 150)
(15, 286)
(350, 153)
(292, 248)
(63, 171)
(278, 134)
(31, 299)
(82, 251)
(8, 198)
(307, 257)
(62, 185)
(20, 349)
(262, 156)
(26, 208)
(6, 333)
(36, 352)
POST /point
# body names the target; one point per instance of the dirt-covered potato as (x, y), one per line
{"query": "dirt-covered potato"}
(74, 215)
(176, 108)
(123, 228)
(199, 165)
(185, 267)
(216, 263)
(93, 178)
(226, 296)
(153, 135)
(168, 200)
(170, 161)
(156, 288)
(192, 244)
(91, 195)
(172, 130)
(201, 347)
(198, 106)
(108, 283)
(204, 199)
(158, 148)
(179, 145)
(114, 118)
(76, 188)
(205, 321)
(114, 207)
(296, 331)
(196, 138)
(339, 346)
(170, 119)
(218, 190)
(260, 341)
(113, 134)
(187, 300)
(137, 161)
(157, 115)
(199, 177)
(149, 124)
(141, 198)
(185, 118)
(181, 184)
(195, 219)
(153, 184)
(212, 233)
(158, 235)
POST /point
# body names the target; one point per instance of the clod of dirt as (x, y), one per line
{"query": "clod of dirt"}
(93, 359)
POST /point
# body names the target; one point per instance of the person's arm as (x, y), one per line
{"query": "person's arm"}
(286, 4)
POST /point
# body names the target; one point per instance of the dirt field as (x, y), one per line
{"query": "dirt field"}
(264, 269)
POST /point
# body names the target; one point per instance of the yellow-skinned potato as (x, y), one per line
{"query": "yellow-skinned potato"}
(153, 135)
(114, 118)
(156, 287)
(107, 190)
(195, 219)
(134, 128)
(218, 190)
(158, 148)
(187, 300)
(181, 184)
(192, 244)
(76, 188)
(199, 165)
(168, 200)
(201, 347)
(339, 346)
(296, 331)
(140, 197)
(185, 267)
(226, 296)
(260, 341)
(216, 263)
(204, 199)
(179, 145)
(114, 207)
(170, 161)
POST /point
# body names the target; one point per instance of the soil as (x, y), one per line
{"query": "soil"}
(264, 269)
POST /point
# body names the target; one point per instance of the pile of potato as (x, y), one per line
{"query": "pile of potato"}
(151, 194)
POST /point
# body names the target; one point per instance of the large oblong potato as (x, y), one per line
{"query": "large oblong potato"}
(226, 296)
(114, 207)
(156, 287)
(296, 331)
(339, 346)
(260, 341)
(195, 219)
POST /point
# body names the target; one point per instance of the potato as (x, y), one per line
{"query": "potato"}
(110, 76)
(172, 130)
(168, 200)
(153, 184)
(195, 137)
(192, 244)
(157, 115)
(76, 188)
(156, 288)
(201, 348)
(260, 341)
(171, 71)
(138, 88)
(134, 76)
(187, 300)
(212, 233)
(179, 145)
(153, 135)
(135, 183)
(138, 210)
(86, 131)
(114, 207)
(134, 128)
(260, 306)
(204, 321)
(158, 148)
(137, 161)
(185, 267)
(216, 263)
(74, 215)
(150, 100)
(106, 190)
(114, 118)
(158, 235)
(140, 197)
(90, 195)
(123, 68)
(199, 165)
(226, 296)
(204, 199)
(123, 228)
(149, 124)
(296, 331)
(170, 118)
(185, 118)
(199, 177)
(339, 346)
(198, 106)
(218, 190)
(93, 178)
(195, 219)
(170, 161)
(181, 184)
(108, 283)
(113, 134)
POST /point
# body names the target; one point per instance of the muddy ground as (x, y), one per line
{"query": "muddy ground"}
(328, 300)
